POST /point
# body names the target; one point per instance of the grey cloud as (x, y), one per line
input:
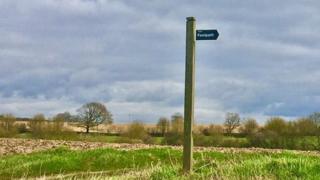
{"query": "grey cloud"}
(130, 55)
(148, 91)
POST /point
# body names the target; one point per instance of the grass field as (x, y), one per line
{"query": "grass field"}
(162, 163)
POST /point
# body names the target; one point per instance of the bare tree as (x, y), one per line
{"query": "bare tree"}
(177, 123)
(39, 126)
(58, 122)
(7, 121)
(163, 125)
(232, 121)
(93, 114)
(315, 117)
(8, 127)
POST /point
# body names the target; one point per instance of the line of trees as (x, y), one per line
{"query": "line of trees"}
(89, 115)
(278, 133)
(303, 133)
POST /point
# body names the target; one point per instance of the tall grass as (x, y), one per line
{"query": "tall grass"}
(164, 163)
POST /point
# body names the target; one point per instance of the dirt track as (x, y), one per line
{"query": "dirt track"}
(14, 146)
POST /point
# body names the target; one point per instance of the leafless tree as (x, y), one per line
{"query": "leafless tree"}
(163, 125)
(7, 121)
(232, 121)
(93, 114)
(177, 123)
(37, 124)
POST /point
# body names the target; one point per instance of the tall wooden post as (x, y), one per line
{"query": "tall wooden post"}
(189, 94)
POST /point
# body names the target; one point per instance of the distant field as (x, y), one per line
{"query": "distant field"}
(102, 128)
(118, 133)
(152, 162)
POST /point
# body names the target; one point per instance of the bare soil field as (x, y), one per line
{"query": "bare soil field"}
(17, 146)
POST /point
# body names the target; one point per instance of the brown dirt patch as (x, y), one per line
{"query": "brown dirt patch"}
(18, 146)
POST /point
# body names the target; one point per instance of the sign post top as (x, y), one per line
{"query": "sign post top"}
(209, 34)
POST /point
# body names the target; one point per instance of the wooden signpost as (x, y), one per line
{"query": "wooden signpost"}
(191, 36)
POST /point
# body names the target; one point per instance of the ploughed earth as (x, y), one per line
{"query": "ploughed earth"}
(23, 146)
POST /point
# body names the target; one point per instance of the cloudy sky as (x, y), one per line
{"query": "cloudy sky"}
(56, 55)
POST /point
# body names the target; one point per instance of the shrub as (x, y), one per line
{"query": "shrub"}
(7, 127)
(257, 139)
(41, 128)
(249, 126)
(137, 131)
(21, 128)
(202, 140)
(306, 127)
(148, 139)
(213, 130)
(269, 139)
(216, 140)
(38, 125)
(6, 133)
(234, 142)
(173, 138)
(277, 125)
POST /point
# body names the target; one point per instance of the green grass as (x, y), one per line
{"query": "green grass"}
(158, 164)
